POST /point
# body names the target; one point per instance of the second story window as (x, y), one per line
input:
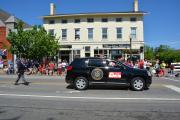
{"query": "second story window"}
(90, 20)
(104, 33)
(119, 33)
(51, 32)
(77, 33)
(64, 34)
(118, 19)
(64, 21)
(51, 21)
(77, 20)
(90, 33)
(133, 19)
(104, 20)
(133, 32)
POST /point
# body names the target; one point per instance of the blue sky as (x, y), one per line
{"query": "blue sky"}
(161, 24)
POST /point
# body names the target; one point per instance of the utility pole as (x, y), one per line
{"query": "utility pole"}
(130, 38)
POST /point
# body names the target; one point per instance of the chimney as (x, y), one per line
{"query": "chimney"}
(52, 9)
(135, 5)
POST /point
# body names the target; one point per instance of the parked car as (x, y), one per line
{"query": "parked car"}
(83, 72)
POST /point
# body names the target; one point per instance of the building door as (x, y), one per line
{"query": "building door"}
(64, 55)
(115, 54)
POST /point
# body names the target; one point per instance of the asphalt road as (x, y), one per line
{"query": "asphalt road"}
(49, 98)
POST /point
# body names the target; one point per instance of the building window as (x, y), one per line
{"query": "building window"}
(90, 33)
(119, 33)
(90, 19)
(133, 32)
(133, 19)
(77, 20)
(76, 54)
(101, 53)
(104, 20)
(51, 32)
(64, 34)
(51, 21)
(77, 33)
(118, 19)
(104, 33)
(64, 21)
(87, 51)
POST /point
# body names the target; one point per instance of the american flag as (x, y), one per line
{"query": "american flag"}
(5, 52)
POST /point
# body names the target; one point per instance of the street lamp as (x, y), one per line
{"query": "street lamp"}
(130, 39)
(97, 51)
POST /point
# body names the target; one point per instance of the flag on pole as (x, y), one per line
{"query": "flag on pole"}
(5, 52)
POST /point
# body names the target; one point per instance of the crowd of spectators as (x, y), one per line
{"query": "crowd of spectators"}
(157, 68)
(41, 68)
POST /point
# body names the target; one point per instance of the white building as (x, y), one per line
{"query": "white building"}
(97, 34)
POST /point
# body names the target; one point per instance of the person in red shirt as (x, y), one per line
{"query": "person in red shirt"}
(51, 68)
(141, 64)
(40, 69)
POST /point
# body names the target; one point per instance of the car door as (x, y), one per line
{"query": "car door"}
(97, 71)
(117, 74)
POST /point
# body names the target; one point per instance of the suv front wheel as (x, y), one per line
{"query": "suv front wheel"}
(137, 84)
(81, 83)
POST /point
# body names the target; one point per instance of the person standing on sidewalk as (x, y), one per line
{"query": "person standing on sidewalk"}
(21, 69)
(163, 67)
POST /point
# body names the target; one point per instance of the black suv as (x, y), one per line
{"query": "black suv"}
(83, 72)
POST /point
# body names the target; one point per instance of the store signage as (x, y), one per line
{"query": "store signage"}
(116, 46)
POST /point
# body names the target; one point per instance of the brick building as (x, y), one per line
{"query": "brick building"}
(7, 22)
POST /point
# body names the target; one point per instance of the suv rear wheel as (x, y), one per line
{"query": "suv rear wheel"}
(81, 83)
(137, 84)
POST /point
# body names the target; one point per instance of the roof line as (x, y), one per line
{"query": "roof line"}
(5, 12)
(96, 13)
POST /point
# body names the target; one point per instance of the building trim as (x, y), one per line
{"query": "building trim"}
(93, 14)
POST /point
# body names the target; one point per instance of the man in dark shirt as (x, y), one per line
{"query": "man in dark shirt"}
(21, 69)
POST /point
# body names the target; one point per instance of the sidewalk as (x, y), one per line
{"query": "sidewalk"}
(3, 74)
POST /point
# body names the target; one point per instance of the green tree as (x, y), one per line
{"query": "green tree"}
(165, 53)
(149, 52)
(32, 44)
(176, 56)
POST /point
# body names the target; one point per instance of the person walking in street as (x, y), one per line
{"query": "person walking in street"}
(21, 69)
